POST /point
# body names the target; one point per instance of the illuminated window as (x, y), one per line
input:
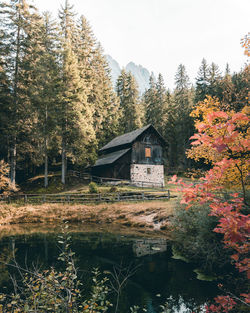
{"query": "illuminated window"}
(148, 152)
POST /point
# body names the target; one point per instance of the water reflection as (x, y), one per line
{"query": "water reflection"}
(146, 246)
(158, 277)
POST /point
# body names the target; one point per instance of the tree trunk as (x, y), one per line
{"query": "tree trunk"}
(13, 144)
(13, 164)
(45, 149)
(63, 161)
(45, 164)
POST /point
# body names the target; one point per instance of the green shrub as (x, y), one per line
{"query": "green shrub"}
(194, 238)
(54, 291)
(93, 188)
(113, 189)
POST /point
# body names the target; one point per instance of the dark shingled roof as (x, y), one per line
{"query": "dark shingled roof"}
(125, 139)
(111, 157)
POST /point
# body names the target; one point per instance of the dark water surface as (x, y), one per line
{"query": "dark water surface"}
(158, 277)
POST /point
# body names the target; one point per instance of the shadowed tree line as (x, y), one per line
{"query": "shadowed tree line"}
(57, 102)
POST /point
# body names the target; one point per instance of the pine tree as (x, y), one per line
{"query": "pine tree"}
(150, 101)
(44, 88)
(16, 32)
(36, 67)
(213, 79)
(224, 90)
(227, 70)
(75, 117)
(106, 104)
(96, 74)
(202, 82)
(182, 82)
(240, 96)
(127, 91)
(181, 123)
(5, 101)
(156, 101)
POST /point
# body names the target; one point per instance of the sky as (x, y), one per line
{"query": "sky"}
(161, 34)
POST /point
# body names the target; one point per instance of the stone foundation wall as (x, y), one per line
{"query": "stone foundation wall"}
(147, 173)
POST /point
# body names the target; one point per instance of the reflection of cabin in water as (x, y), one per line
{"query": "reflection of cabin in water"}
(135, 156)
(142, 247)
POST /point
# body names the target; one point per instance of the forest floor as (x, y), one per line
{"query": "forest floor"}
(34, 185)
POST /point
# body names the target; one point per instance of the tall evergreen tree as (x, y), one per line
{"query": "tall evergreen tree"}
(127, 91)
(181, 125)
(96, 74)
(150, 100)
(240, 97)
(75, 117)
(202, 82)
(16, 32)
(5, 101)
(44, 88)
(182, 82)
(156, 100)
(106, 104)
(227, 70)
(224, 90)
(213, 79)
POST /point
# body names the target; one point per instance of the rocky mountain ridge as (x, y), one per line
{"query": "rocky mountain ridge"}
(140, 73)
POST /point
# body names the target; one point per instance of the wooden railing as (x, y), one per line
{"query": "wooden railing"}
(143, 184)
(108, 180)
(78, 174)
(85, 198)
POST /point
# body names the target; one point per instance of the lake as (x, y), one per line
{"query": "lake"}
(155, 276)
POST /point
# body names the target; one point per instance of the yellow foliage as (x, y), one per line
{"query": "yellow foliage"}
(208, 154)
(245, 42)
(205, 107)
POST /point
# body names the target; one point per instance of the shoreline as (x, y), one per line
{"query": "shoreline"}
(8, 231)
(140, 218)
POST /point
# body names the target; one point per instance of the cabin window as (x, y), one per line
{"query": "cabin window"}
(148, 152)
(147, 139)
(148, 170)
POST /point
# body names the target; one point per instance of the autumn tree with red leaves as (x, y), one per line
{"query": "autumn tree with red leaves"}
(227, 136)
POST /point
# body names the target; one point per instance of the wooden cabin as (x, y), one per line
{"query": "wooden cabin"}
(136, 156)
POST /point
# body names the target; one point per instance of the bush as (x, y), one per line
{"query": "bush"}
(93, 188)
(194, 173)
(53, 291)
(6, 187)
(194, 238)
(113, 189)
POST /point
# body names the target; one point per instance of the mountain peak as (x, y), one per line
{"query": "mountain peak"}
(140, 73)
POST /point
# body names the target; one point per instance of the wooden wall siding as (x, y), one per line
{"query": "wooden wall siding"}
(118, 169)
(148, 140)
(138, 154)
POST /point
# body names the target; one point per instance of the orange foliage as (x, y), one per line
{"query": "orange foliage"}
(245, 42)
(226, 134)
(222, 135)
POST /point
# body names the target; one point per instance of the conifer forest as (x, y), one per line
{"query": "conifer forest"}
(58, 105)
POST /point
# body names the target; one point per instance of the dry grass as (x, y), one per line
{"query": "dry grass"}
(145, 215)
